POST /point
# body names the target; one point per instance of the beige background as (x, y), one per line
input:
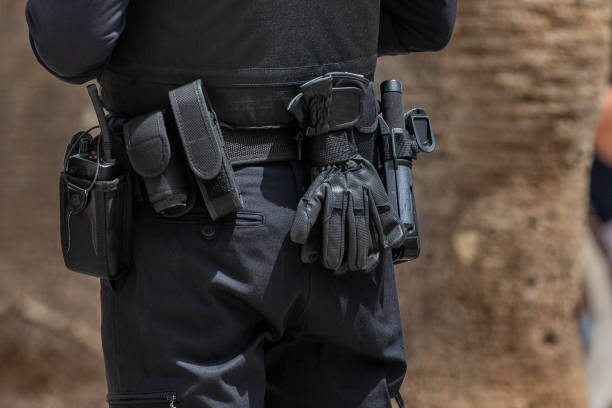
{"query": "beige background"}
(49, 318)
(489, 308)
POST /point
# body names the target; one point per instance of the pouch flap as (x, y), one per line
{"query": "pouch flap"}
(147, 144)
(199, 130)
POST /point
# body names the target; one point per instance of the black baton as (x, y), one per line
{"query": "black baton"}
(398, 170)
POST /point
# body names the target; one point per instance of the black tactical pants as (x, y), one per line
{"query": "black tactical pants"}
(223, 314)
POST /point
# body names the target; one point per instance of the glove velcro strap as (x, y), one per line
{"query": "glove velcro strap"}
(331, 148)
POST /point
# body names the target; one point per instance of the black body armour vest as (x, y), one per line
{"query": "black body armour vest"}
(251, 55)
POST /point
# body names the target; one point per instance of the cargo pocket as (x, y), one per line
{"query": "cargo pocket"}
(151, 400)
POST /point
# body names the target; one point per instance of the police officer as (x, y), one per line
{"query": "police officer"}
(229, 312)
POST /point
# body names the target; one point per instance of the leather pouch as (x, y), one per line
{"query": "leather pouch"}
(96, 222)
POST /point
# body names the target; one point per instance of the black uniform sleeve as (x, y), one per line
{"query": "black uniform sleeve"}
(74, 39)
(415, 25)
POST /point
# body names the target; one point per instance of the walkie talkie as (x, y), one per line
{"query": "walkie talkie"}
(91, 159)
(402, 137)
(95, 203)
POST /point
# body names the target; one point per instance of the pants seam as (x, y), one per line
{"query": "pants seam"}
(297, 170)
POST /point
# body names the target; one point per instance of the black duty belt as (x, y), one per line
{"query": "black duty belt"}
(154, 141)
(249, 146)
(274, 143)
(273, 139)
(345, 107)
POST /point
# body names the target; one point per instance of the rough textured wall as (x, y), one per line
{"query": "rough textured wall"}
(49, 319)
(489, 308)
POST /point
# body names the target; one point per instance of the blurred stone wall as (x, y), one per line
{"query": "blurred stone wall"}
(490, 307)
(49, 317)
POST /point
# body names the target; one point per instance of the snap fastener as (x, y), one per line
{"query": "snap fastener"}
(208, 231)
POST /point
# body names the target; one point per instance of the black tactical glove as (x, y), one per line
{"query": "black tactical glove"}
(344, 217)
(357, 219)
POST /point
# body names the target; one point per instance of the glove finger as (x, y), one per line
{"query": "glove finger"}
(358, 235)
(374, 247)
(334, 219)
(371, 262)
(309, 207)
(351, 235)
(366, 237)
(307, 213)
(394, 230)
(391, 230)
(368, 177)
(376, 225)
(342, 269)
(310, 251)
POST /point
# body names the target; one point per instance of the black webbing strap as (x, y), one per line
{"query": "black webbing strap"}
(251, 145)
(334, 147)
(330, 110)
(260, 145)
(396, 143)
(277, 145)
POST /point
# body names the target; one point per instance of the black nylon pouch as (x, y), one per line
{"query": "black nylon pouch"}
(154, 157)
(96, 225)
(202, 140)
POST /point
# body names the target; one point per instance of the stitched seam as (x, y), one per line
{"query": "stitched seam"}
(211, 139)
(165, 144)
(129, 64)
(299, 315)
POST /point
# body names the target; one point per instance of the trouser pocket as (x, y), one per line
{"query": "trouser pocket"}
(165, 399)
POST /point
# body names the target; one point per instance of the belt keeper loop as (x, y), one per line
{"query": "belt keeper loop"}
(394, 133)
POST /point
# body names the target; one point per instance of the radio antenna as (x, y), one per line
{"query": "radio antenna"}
(105, 133)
